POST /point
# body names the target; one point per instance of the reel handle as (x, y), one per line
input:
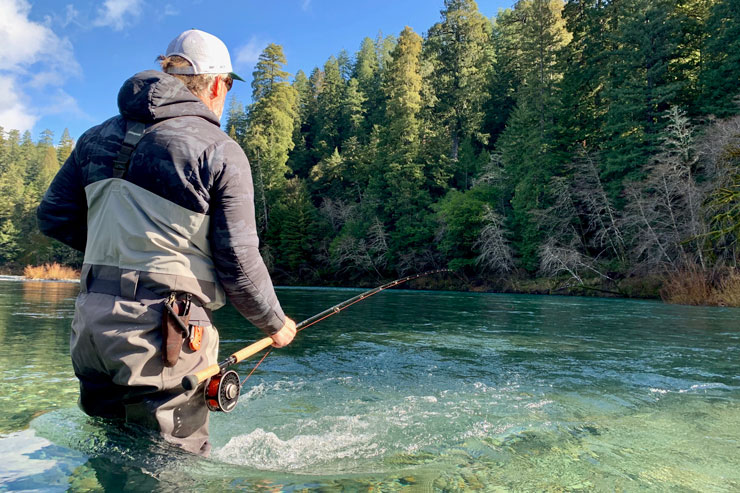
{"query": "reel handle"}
(189, 382)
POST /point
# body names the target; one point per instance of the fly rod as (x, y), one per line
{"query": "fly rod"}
(222, 391)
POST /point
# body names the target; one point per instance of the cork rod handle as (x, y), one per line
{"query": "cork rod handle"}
(189, 382)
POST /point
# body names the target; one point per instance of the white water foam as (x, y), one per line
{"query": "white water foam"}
(333, 450)
(538, 404)
(659, 391)
(706, 386)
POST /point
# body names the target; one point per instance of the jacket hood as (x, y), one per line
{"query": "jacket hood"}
(152, 96)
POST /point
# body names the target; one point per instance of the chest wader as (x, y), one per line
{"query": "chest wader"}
(176, 315)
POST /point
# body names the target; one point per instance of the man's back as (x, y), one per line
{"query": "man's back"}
(182, 215)
(164, 216)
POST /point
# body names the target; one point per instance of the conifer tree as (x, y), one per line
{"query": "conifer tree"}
(640, 88)
(366, 67)
(384, 48)
(310, 128)
(458, 47)
(47, 169)
(505, 74)
(236, 120)
(39, 248)
(300, 157)
(367, 72)
(529, 145)
(585, 73)
(331, 125)
(691, 56)
(12, 171)
(66, 144)
(345, 65)
(46, 139)
(354, 109)
(271, 120)
(296, 230)
(402, 85)
(12, 174)
(720, 77)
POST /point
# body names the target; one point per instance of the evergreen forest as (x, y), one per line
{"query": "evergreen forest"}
(561, 146)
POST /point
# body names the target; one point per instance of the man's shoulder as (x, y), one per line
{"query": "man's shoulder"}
(102, 139)
(112, 127)
(185, 136)
(193, 132)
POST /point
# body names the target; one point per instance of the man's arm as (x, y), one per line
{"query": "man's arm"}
(234, 241)
(62, 213)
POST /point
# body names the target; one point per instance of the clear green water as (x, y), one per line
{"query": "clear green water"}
(407, 391)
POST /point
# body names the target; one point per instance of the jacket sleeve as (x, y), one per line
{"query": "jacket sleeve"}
(62, 213)
(234, 242)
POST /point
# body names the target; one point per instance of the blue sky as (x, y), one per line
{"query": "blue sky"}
(62, 62)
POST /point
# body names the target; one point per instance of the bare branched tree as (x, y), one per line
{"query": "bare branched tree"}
(337, 212)
(556, 259)
(664, 211)
(377, 242)
(492, 172)
(559, 219)
(651, 239)
(602, 218)
(495, 253)
(719, 151)
(363, 254)
(418, 260)
(566, 249)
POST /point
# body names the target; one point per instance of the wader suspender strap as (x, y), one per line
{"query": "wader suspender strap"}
(134, 133)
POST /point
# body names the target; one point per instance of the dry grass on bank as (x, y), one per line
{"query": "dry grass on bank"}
(53, 271)
(728, 293)
(694, 287)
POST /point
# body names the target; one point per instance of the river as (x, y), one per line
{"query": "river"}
(406, 391)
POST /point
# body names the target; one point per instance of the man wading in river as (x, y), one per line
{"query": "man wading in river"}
(161, 202)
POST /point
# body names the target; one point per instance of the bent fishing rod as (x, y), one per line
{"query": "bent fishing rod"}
(223, 387)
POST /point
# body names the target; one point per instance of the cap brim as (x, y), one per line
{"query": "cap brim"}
(236, 77)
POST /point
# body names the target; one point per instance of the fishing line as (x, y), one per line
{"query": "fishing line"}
(343, 305)
(223, 387)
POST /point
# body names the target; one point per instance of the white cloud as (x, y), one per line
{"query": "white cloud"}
(26, 43)
(14, 113)
(170, 9)
(70, 15)
(23, 40)
(32, 57)
(250, 52)
(116, 13)
(305, 4)
(61, 102)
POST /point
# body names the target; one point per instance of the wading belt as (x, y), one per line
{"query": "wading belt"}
(182, 318)
(126, 287)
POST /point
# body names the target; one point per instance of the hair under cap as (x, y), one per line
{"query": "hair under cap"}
(206, 53)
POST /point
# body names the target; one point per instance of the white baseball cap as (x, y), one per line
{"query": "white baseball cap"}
(206, 53)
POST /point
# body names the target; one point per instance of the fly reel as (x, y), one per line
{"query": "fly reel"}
(222, 391)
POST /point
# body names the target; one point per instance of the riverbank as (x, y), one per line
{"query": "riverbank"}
(684, 288)
(718, 288)
(45, 272)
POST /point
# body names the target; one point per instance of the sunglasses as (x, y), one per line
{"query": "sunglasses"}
(229, 82)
